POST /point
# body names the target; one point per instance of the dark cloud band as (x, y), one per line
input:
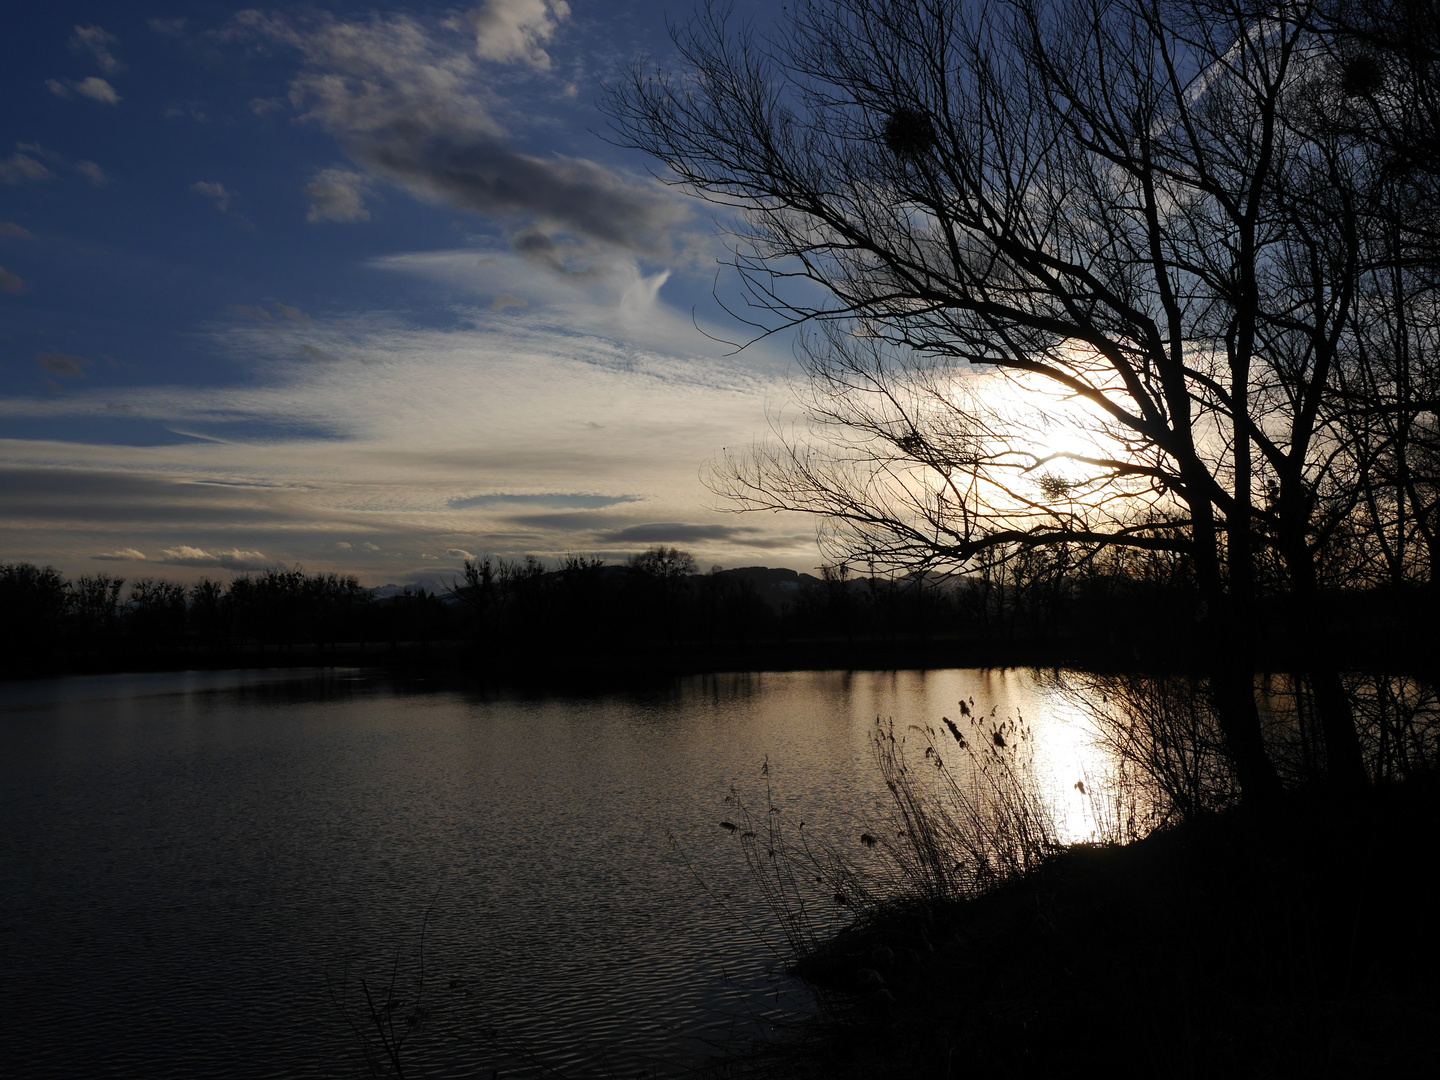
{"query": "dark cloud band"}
(568, 195)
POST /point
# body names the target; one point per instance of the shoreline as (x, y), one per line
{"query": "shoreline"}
(583, 664)
(1296, 941)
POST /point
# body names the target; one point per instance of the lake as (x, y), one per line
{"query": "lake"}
(199, 868)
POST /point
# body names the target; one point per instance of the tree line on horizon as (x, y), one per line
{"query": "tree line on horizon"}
(1078, 603)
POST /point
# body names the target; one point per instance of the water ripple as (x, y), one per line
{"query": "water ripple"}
(188, 860)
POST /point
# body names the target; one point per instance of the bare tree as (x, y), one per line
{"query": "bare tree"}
(1128, 212)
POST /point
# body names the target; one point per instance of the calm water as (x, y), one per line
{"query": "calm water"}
(187, 860)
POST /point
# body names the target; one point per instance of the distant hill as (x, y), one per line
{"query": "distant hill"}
(437, 586)
(776, 587)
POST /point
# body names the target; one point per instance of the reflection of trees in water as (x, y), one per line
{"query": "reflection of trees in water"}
(1397, 717)
(1169, 752)
(978, 798)
(1169, 759)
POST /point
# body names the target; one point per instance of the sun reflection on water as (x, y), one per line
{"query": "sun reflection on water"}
(1074, 769)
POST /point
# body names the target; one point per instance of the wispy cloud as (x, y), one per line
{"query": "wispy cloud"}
(92, 172)
(128, 554)
(216, 192)
(337, 195)
(558, 502)
(11, 283)
(32, 162)
(94, 88)
(672, 532)
(20, 168)
(100, 44)
(234, 559)
(62, 365)
(577, 423)
(516, 31)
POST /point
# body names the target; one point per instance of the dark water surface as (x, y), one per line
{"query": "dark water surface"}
(185, 859)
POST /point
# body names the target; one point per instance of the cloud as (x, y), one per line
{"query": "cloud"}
(337, 195)
(98, 492)
(98, 43)
(92, 172)
(413, 108)
(234, 559)
(62, 365)
(94, 87)
(194, 111)
(11, 283)
(459, 553)
(416, 419)
(20, 167)
(26, 166)
(306, 351)
(97, 89)
(554, 502)
(128, 554)
(671, 532)
(343, 545)
(575, 521)
(510, 31)
(265, 106)
(616, 284)
(505, 300)
(10, 231)
(558, 194)
(168, 27)
(216, 192)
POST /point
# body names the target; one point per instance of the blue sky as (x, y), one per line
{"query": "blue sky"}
(359, 288)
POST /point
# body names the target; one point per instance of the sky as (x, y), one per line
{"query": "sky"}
(363, 289)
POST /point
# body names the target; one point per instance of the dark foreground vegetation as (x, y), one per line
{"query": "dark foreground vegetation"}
(1293, 942)
(1192, 935)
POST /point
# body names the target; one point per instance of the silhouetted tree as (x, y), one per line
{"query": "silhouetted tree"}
(1130, 213)
(93, 603)
(206, 617)
(657, 578)
(479, 591)
(32, 605)
(156, 612)
(582, 590)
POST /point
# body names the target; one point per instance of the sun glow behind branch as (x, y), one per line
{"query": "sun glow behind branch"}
(1010, 449)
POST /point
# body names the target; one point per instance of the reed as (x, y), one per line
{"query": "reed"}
(965, 814)
(1164, 736)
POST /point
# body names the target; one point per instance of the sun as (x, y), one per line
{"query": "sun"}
(1052, 443)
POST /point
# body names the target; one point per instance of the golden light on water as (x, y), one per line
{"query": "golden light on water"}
(1058, 751)
(1067, 754)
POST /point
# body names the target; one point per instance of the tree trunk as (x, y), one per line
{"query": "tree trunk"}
(1231, 668)
(1232, 681)
(1344, 763)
